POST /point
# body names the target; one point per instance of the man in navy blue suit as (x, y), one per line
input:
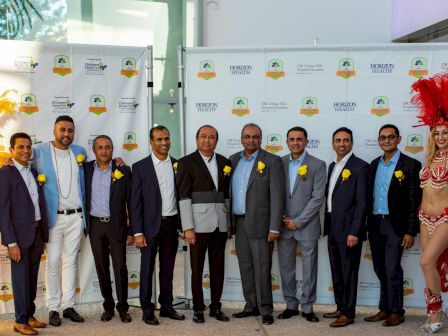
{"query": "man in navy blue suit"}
(155, 223)
(24, 230)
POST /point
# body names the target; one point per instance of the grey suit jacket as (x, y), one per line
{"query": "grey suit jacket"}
(306, 199)
(265, 195)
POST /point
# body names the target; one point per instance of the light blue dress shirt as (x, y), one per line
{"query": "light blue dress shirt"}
(384, 174)
(101, 191)
(240, 181)
(293, 169)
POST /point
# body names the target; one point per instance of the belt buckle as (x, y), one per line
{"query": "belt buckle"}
(36, 224)
(105, 219)
(65, 212)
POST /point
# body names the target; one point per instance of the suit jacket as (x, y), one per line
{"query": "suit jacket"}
(43, 163)
(305, 200)
(403, 197)
(203, 207)
(17, 215)
(265, 195)
(349, 202)
(119, 200)
(146, 200)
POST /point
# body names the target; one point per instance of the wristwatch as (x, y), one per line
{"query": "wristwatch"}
(12, 244)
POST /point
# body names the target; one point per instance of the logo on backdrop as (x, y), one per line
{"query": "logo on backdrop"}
(381, 68)
(28, 103)
(130, 141)
(206, 70)
(380, 106)
(62, 105)
(25, 64)
(275, 69)
(313, 143)
(94, 66)
(275, 280)
(233, 144)
(344, 106)
(371, 143)
(414, 144)
(368, 285)
(97, 104)
(206, 107)
(6, 292)
(270, 106)
(309, 106)
(443, 67)
(408, 286)
(133, 279)
(240, 106)
(409, 107)
(367, 251)
(128, 105)
(274, 143)
(62, 65)
(129, 67)
(240, 70)
(346, 68)
(419, 67)
(308, 69)
(206, 280)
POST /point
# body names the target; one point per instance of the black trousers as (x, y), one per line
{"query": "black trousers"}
(166, 243)
(103, 245)
(344, 263)
(215, 243)
(24, 279)
(386, 255)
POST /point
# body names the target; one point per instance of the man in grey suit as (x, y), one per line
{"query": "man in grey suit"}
(305, 178)
(257, 198)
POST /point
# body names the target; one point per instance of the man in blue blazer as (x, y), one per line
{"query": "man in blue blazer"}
(23, 227)
(61, 162)
(155, 223)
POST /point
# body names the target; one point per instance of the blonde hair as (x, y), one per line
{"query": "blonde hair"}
(432, 146)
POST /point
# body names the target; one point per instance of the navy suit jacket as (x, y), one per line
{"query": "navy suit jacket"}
(17, 215)
(119, 200)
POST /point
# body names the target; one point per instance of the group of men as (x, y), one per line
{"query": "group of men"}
(206, 198)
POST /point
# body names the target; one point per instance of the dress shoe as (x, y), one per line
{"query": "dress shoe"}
(107, 316)
(267, 319)
(287, 313)
(381, 315)
(33, 323)
(150, 318)
(244, 313)
(24, 329)
(310, 317)
(125, 317)
(393, 320)
(219, 315)
(72, 315)
(335, 314)
(342, 321)
(198, 316)
(54, 319)
(171, 313)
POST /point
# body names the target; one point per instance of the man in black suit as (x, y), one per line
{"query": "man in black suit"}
(155, 223)
(345, 224)
(108, 193)
(203, 182)
(24, 230)
(393, 221)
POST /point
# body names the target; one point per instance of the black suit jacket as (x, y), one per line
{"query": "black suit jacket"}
(403, 198)
(349, 202)
(17, 215)
(119, 200)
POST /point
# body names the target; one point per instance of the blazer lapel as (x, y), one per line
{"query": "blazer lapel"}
(152, 172)
(113, 186)
(298, 177)
(285, 160)
(399, 166)
(16, 174)
(220, 163)
(260, 157)
(346, 166)
(200, 161)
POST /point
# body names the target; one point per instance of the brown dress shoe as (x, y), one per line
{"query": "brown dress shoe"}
(32, 322)
(24, 329)
(381, 315)
(335, 314)
(393, 320)
(342, 321)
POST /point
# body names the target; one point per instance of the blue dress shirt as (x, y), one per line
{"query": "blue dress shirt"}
(240, 181)
(101, 191)
(384, 174)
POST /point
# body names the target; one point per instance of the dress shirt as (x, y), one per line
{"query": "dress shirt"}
(337, 170)
(99, 204)
(31, 185)
(383, 177)
(212, 167)
(240, 181)
(165, 177)
(293, 169)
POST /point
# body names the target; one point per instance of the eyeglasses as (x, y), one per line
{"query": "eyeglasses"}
(391, 137)
(248, 137)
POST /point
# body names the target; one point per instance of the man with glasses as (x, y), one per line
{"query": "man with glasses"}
(393, 221)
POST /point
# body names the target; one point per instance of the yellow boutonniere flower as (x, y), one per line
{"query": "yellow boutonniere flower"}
(303, 170)
(175, 167)
(116, 175)
(41, 179)
(346, 174)
(260, 167)
(227, 170)
(399, 175)
(80, 158)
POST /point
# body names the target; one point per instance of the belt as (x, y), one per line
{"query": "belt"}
(105, 219)
(382, 216)
(168, 217)
(69, 211)
(240, 216)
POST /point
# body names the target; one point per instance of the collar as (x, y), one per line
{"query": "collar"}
(156, 160)
(252, 157)
(95, 164)
(300, 159)
(19, 166)
(394, 158)
(207, 159)
(344, 159)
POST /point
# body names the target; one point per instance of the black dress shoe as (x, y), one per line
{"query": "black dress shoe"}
(198, 316)
(107, 316)
(267, 319)
(244, 313)
(125, 317)
(171, 313)
(219, 315)
(310, 317)
(72, 315)
(288, 313)
(150, 318)
(54, 319)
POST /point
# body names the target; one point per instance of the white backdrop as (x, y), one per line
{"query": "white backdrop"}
(103, 88)
(319, 88)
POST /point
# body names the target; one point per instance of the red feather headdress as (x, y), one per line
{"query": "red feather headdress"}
(431, 98)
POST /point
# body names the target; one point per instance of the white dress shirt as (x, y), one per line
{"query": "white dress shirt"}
(337, 170)
(31, 184)
(165, 177)
(212, 167)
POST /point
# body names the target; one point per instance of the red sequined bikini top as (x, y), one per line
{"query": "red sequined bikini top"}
(438, 177)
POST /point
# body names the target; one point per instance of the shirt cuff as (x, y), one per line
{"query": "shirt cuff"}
(274, 231)
(138, 234)
(12, 244)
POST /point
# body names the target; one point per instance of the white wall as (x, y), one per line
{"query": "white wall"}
(292, 22)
